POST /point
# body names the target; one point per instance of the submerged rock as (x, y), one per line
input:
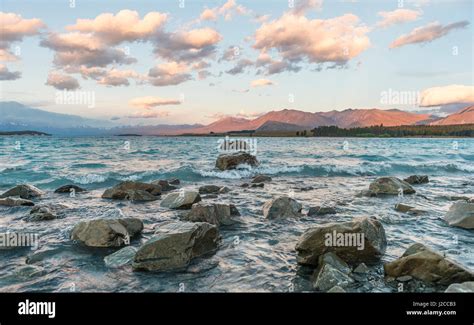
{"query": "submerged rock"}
(261, 179)
(213, 213)
(14, 202)
(389, 186)
(461, 214)
(165, 185)
(209, 189)
(319, 211)
(400, 207)
(224, 190)
(121, 257)
(461, 287)
(175, 245)
(174, 181)
(24, 191)
(282, 207)
(69, 188)
(427, 265)
(106, 232)
(182, 200)
(231, 161)
(42, 213)
(356, 241)
(417, 179)
(133, 191)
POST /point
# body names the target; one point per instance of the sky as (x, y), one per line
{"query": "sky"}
(194, 61)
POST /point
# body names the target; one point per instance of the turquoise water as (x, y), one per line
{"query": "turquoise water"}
(256, 254)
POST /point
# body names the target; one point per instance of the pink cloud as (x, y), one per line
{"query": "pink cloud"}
(261, 83)
(452, 94)
(61, 81)
(397, 16)
(149, 102)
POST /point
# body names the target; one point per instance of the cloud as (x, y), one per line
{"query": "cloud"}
(452, 94)
(149, 114)
(62, 82)
(208, 14)
(299, 39)
(166, 74)
(115, 77)
(6, 74)
(248, 115)
(427, 33)
(149, 102)
(302, 6)
(240, 67)
(6, 56)
(261, 83)
(397, 17)
(227, 10)
(230, 54)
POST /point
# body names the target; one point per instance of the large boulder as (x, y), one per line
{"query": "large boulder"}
(231, 161)
(282, 207)
(69, 188)
(133, 191)
(427, 265)
(14, 202)
(417, 179)
(182, 200)
(213, 213)
(356, 241)
(175, 245)
(461, 214)
(461, 287)
(106, 232)
(24, 191)
(389, 186)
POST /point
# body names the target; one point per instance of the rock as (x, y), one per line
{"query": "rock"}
(282, 207)
(182, 200)
(106, 232)
(224, 190)
(329, 276)
(361, 268)
(165, 185)
(209, 189)
(213, 213)
(13, 202)
(356, 241)
(261, 179)
(257, 185)
(336, 289)
(133, 191)
(69, 188)
(24, 191)
(461, 214)
(334, 261)
(400, 207)
(319, 211)
(121, 257)
(404, 278)
(427, 265)
(417, 179)
(175, 245)
(174, 181)
(42, 213)
(389, 186)
(245, 185)
(233, 160)
(461, 287)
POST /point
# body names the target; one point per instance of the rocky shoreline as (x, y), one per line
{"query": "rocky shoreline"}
(336, 254)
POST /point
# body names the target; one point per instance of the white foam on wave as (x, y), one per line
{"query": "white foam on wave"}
(246, 171)
(88, 179)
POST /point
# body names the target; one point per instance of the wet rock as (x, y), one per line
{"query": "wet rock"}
(389, 186)
(213, 213)
(24, 191)
(14, 202)
(29, 271)
(42, 213)
(427, 265)
(336, 289)
(245, 185)
(356, 241)
(417, 179)
(182, 200)
(121, 257)
(224, 190)
(319, 211)
(282, 207)
(461, 287)
(333, 260)
(175, 245)
(400, 207)
(361, 269)
(461, 214)
(233, 160)
(257, 185)
(261, 179)
(106, 232)
(404, 278)
(209, 189)
(69, 188)
(174, 181)
(133, 191)
(329, 276)
(164, 185)
(42, 254)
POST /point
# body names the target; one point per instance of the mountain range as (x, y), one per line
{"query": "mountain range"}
(16, 117)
